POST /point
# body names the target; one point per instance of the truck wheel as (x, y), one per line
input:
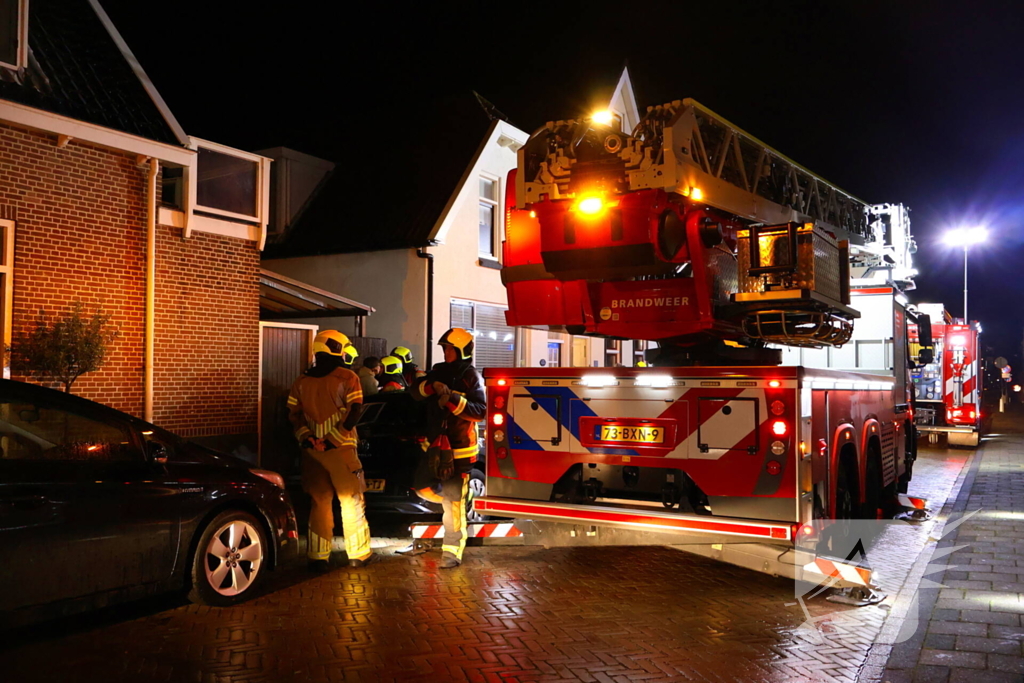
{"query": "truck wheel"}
(872, 487)
(476, 490)
(228, 565)
(834, 536)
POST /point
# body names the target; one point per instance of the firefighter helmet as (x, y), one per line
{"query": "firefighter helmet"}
(330, 342)
(403, 354)
(461, 340)
(392, 366)
(349, 354)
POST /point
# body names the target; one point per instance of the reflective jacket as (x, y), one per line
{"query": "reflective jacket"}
(466, 406)
(317, 406)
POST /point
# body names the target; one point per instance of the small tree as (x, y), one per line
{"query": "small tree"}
(63, 351)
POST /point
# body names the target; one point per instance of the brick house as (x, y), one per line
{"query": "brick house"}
(105, 199)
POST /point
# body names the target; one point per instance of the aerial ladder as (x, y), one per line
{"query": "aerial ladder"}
(694, 234)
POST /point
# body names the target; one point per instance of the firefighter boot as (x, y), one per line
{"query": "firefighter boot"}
(449, 561)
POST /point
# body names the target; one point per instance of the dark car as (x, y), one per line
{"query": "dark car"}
(98, 506)
(391, 454)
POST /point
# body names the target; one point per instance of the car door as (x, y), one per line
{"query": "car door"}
(82, 510)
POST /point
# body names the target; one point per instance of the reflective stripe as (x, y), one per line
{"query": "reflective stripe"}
(302, 433)
(461, 405)
(318, 548)
(467, 452)
(354, 397)
(292, 401)
(423, 389)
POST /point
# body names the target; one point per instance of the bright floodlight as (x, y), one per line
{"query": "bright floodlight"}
(965, 237)
(604, 117)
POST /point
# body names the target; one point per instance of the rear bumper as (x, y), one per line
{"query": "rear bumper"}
(945, 428)
(645, 520)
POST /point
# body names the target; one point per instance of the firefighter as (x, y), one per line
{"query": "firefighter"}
(323, 406)
(410, 371)
(391, 379)
(368, 375)
(458, 404)
(348, 357)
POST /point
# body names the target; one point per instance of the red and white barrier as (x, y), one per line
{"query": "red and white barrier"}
(832, 569)
(485, 530)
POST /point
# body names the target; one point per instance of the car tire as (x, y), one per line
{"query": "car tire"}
(477, 484)
(230, 560)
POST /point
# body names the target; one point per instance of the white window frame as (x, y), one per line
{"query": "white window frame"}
(496, 227)
(22, 55)
(7, 293)
(262, 209)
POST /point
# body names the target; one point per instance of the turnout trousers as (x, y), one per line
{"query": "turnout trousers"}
(326, 475)
(453, 501)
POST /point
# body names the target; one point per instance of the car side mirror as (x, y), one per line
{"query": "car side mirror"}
(157, 452)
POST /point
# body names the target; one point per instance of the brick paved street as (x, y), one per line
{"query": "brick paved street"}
(508, 614)
(971, 630)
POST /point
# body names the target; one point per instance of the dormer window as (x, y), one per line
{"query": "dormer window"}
(13, 34)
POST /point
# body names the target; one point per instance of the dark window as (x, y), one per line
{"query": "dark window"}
(226, 183)
(554, 354)
(10, 30)
(488, 217)
(172, 187)
(612, 353)
(35, 432)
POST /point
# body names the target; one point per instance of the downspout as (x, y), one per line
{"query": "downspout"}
(154, 169)
(423, 253)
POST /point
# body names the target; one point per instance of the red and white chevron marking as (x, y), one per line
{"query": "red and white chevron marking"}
(911, 502)
(489, 530)
(847, 572)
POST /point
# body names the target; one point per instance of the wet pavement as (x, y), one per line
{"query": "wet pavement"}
(507, 614)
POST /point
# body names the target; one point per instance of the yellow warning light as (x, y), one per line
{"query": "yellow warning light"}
(603, 117)
(696, 194)
(590, 205)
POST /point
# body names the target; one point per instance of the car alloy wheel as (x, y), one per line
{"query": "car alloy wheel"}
(229, 559)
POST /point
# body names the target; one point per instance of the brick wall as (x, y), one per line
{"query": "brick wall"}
(80, 234)
(207, 334)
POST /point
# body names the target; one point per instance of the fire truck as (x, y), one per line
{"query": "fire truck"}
(948, 389)
(693, 234)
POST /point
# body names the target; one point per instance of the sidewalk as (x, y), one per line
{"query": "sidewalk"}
(972, 629)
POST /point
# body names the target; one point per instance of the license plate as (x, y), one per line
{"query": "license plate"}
(374, 485)
(630, 434)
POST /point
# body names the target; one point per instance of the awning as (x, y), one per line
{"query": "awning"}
(282, 298)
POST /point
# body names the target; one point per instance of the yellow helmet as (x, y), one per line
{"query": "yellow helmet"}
(642, 364)
(460, 339)
(403, 354)
(330, 342)
(349, 354)
(392, 366)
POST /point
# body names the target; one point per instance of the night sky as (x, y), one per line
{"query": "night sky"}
(911, 102)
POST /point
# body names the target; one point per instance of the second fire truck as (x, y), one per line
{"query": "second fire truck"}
(948, 389)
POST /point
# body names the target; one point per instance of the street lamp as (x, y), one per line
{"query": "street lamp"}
(965, 237)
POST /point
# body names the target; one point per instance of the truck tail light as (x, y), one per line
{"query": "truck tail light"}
(779, 428)
(502, 382)
(774, 383)
(498, 419)
(972, 414)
